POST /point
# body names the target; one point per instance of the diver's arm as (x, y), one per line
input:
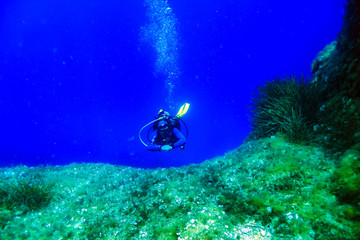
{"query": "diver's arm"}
(180, 136)
(152, 146)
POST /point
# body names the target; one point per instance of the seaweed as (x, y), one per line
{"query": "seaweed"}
(27, 194)
(286, 105)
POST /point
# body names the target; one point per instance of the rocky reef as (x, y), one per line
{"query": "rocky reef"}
(337, 70)
(265, 189)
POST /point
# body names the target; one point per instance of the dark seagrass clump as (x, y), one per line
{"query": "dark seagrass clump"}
(27, 194)
(285, 105)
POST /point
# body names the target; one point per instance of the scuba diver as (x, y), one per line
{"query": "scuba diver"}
(166, 137)
(166, 134)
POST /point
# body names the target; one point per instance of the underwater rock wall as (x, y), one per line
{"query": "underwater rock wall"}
(333, 121)
(337, 70)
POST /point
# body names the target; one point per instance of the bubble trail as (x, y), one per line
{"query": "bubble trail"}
(161, 33)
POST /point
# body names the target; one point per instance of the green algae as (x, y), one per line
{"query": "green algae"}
(265, 189)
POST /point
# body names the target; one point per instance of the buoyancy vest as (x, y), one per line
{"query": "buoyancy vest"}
(166, 139)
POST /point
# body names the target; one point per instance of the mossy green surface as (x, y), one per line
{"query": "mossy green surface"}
(265, 189)
(346, 183)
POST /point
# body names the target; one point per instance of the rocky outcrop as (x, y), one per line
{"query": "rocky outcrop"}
(337, 70)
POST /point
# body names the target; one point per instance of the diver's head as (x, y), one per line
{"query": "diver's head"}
(164, 114)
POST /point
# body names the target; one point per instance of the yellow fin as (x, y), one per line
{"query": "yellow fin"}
(184, 108)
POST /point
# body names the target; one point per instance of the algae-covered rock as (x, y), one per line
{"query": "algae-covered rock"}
(347, 176)
(265, 189)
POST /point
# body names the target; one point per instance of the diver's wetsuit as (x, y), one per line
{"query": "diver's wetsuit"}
(177, 135)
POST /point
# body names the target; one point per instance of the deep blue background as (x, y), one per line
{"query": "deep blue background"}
(77, 84)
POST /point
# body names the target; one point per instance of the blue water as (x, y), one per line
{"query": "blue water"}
(80, 78)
